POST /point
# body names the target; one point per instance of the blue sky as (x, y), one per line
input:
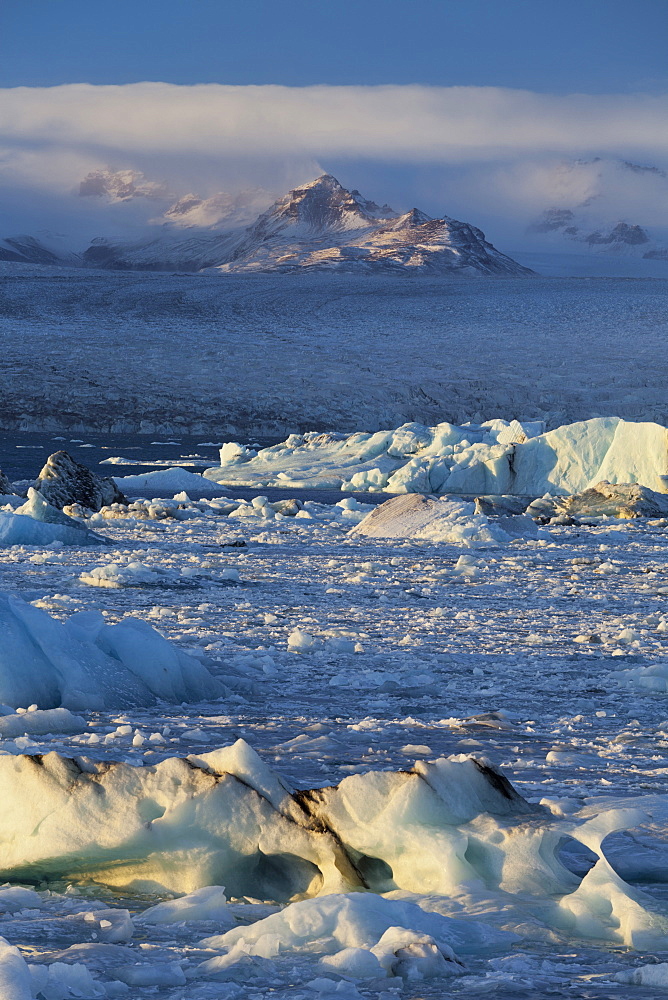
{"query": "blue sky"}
(557, 46)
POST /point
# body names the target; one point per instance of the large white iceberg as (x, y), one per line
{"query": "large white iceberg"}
(83, 663)
(497, 456)
(351, 861)
(446, 827)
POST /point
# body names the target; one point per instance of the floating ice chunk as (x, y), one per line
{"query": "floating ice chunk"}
(167, 482)
(624, 500)
(116, 575)
(452, 522)
(15, 898)
(652, 678)
(500, 506)
(15, 980)
(402, 952)
(399, 938)
(645, 975)
(360, 963)
(86, 664)
(111, 926)
(53, 720)
(299, 641)
(605, 907)
(65, 481)
(231, 453)
(60, 981)
(207, 903)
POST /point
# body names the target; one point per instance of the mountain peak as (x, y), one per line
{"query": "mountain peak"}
(324, 180)
(414, 217)
(323, 204)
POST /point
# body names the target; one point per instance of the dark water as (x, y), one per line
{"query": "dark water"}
(22, 455)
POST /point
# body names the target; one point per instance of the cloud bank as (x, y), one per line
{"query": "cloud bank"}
(403, 122)
(210, 138)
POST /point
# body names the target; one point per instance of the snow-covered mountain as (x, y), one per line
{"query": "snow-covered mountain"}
(589, 194)
(31, 250)
(323, 226)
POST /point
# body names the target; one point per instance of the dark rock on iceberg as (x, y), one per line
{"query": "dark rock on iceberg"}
(63, 481)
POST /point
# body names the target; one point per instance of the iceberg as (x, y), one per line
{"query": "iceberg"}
(351, 860)
(494, 457)
(623, 500)
(65, 481)
(207, 903)
(357, 934)
(36, 522)
(441, 521)
(85, 664)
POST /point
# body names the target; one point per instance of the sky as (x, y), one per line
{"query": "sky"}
(476, 108)
(551, 46)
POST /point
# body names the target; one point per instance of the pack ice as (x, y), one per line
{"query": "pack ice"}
(85, 664)
(496, 456)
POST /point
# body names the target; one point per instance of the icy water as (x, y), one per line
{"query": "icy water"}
(23, 454)
(547, 657)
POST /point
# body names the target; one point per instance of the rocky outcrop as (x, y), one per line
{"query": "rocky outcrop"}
(65, 481)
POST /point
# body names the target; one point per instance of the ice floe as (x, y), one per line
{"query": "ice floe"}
(167, 482)
(356, 934)
(36, 722)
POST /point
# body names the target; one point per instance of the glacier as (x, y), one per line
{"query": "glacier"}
(270, 355)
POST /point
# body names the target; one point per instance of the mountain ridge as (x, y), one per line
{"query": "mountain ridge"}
(319, 225)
